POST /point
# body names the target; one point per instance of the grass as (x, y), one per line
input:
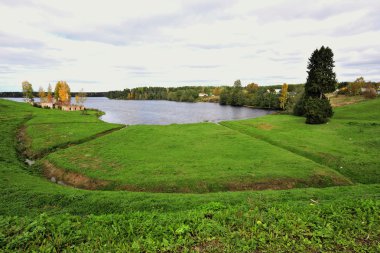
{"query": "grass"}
(201, 157)
(37, 215)
(349, 143)
(47, 130)
(342, 100)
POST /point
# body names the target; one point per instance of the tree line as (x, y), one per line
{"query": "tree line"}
(180, 94)
(250, 95)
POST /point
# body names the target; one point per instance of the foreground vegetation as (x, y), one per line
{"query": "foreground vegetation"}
(37, 215)
(349, 143)
(201, 157)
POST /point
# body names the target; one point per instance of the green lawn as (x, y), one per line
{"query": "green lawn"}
(37, 215)
(191, 158)
(46, 130)
(349, 143)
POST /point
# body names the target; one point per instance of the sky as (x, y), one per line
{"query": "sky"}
(111, 45)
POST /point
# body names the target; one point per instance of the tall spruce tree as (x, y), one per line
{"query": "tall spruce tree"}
(321, 79)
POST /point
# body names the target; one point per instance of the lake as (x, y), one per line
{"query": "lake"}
(159, 112)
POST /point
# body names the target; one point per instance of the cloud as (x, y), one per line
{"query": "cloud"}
(299, 9)
(121, 43)
(144, 29)
(206, 81)
(4, 69)
(369, 22)
(14, 41)
(202, 66)
(26, 58)
(136, 71)
(372, 63)
(79, 81)
(218, 46)
(288, 58)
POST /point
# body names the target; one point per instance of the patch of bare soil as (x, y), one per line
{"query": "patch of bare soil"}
(23, 143)
(265, 126)
(342, 100)
(72, 178)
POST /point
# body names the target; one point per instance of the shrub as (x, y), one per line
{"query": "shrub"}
(299, 107)
(370, 91)
(317, 111)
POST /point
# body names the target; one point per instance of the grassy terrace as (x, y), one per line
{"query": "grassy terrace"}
(38, 215)
(47, 130)
(191, 158)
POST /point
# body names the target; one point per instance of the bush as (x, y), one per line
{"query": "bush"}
(370, 91)
(317, 111)
(299, 107)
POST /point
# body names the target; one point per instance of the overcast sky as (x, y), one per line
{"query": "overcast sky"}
(110, 45)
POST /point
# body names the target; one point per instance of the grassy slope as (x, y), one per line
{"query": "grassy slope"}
(349, 143)
(50, 129)
(191, 158)
(32, 214)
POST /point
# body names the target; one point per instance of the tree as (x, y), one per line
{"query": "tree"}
(237, 97)
(216, 91)
(321, 79)
(27, 91)
(224, 95)
(81, 97)
(252, 88)
(355, 87)
(42, 95)
(318, 111)
(283, 96)
(62, 93)
(49, 96)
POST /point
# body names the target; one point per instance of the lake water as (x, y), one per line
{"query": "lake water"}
(158, 112)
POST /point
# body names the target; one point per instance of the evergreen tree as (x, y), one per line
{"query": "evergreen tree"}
(321, 79)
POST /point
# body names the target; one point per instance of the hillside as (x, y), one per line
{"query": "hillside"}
(36, 214)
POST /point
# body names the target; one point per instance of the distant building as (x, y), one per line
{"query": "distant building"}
(45, 104)
(203, 95)
(72, 107)
(277, 91)
(63, 107)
